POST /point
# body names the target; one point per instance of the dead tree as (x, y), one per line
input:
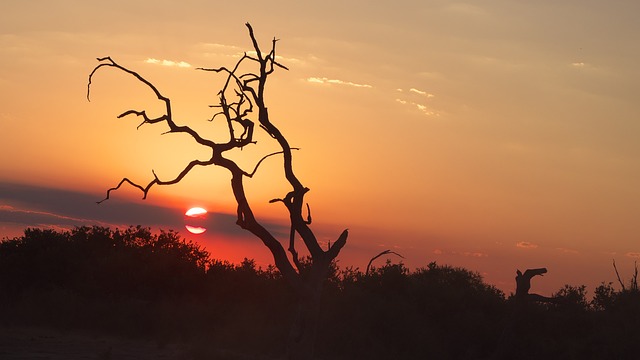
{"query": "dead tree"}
(633, 283)
(241, 104)
(523, 285)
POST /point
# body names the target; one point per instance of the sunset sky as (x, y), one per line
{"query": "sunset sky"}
(492, 135)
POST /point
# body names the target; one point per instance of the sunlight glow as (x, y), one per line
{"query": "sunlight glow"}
(195, 230)
(195, 211)
(195, 219)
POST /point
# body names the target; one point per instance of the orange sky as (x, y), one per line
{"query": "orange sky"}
(492, 136)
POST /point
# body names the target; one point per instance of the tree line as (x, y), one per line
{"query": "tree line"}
(137, 283)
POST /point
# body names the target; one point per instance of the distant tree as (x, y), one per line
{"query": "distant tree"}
(573, 296)
(243, 95)
(603, 297)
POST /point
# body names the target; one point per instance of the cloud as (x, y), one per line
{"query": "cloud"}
(526, 245)
(41, 218)
(634, 255)
(420, 92)
(437, 252)
(324, 80)
(421, 107)
(426, 110)
(587, 67)
(216, 46)
(31, 206)
(180, 64)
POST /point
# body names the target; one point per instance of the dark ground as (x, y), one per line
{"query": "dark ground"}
(40, 343)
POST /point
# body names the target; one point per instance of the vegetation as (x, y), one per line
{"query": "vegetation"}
(135, 283)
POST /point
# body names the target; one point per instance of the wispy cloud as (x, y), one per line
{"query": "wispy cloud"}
(324, 80)
(634, 255)
(526, 245)
(578, 64)
(44, 217)
(421, 107)
(220, 47)
(411, 98)
(180, 64)
(31, 206)
(420, 92)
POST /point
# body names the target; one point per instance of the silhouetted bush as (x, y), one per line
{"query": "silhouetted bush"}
(136, 283)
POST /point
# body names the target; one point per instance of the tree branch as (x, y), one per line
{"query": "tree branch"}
(618, 275)
(156, 180)
(167, 117)
(263, 159)
(386, 252)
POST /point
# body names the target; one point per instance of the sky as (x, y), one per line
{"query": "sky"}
(493, 135)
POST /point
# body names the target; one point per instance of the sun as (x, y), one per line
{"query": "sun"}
(195, 211)
(195, 219)
(196, 230)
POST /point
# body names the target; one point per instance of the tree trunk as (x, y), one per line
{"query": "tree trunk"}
(304, 329)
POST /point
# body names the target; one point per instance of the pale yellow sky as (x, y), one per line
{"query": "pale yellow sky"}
(489, 135)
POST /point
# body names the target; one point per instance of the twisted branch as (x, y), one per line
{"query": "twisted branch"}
(386, 252)
(156, 180)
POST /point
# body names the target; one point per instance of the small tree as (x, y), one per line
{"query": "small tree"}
(242, 96)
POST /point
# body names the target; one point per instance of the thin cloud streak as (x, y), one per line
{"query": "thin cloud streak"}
(417, 93)
(32, 206)
(11, 214)
(180, 64)
(420, 92)
(526, 245)
(324, 80)
(423, 108)
(567, 251)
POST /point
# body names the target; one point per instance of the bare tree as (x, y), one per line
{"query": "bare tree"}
(241, 97)
(633, 283)
(523, 285)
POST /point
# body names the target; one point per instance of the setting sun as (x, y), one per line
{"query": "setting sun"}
(196, 212)
(195, 218)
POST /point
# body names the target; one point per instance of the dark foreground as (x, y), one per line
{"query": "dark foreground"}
(24, 343)
(94, 293)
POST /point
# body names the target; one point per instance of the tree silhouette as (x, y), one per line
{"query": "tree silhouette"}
(523, 285)
(243, 95)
